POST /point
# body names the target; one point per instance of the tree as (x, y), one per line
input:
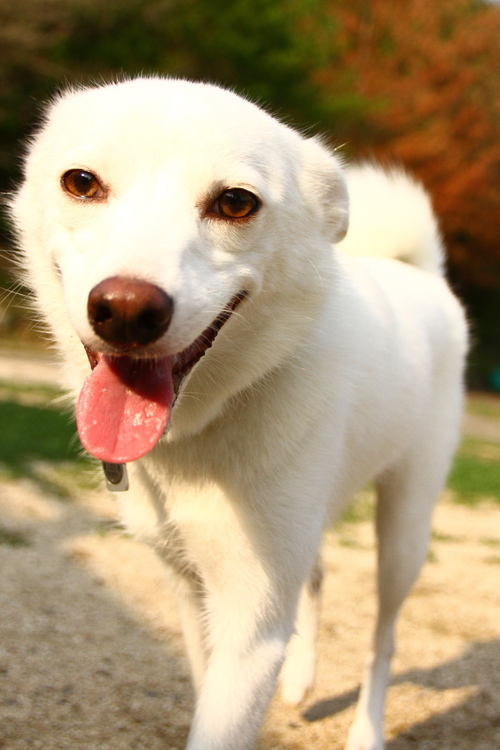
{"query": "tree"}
(415, 82)
(267, 49)
(431, 67)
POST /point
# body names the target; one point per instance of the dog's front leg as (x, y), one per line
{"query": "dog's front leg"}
(250, 603)
(235, 695)
(248, 648)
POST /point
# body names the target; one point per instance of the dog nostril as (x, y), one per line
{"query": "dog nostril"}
(129, 313)
(150, 320)
(101, 313)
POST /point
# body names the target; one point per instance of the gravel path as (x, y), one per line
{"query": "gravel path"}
(91, 655)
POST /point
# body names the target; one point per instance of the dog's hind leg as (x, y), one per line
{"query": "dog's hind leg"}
(403, 533)
(297, 673)
(406, 498)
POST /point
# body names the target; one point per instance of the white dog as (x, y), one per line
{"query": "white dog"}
(253, 375)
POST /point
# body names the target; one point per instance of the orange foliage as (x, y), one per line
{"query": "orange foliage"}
(432, 71)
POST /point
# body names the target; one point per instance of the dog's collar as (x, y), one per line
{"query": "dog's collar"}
(116, 476)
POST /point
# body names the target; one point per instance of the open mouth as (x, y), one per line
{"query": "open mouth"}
(185, 361)
(125, 404)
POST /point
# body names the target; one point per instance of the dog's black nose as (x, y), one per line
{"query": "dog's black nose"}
(129, 313)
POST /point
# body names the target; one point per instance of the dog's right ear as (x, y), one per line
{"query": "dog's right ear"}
(324, 186)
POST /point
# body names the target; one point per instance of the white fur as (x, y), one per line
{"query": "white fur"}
(390, 216)
(336, 369)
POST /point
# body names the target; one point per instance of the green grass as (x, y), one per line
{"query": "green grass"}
(475, 475)
(474, 478)
(36, 437)
(438, 536)
(362, 509)
(34, 432)
(39, 441)
(490, 541)
(488, 407)
(13, 538)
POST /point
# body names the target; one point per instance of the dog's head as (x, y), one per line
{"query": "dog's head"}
(157, 215)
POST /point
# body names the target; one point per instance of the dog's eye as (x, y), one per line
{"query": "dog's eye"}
(81, 184)
(236, 203)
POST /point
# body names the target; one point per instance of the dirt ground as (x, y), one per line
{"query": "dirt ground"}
(91, 656)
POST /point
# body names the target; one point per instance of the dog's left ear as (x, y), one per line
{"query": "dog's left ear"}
(324, 186)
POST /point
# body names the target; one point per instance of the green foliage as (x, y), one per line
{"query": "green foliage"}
(482, 309)
(270, 50)
(259, 47)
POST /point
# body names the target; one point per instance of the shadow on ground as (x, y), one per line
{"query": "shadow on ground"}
(475, 721)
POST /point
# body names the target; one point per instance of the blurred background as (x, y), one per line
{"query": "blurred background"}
(414, 82)
(84, 613)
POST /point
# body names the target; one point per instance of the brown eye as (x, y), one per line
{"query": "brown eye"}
(81, 184)
(236, 203)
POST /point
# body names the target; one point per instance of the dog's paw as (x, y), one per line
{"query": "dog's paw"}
(297, 673)
(364, 736)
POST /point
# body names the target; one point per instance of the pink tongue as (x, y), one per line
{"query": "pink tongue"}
(124, 407)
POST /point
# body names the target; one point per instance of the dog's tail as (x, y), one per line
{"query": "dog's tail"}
(391, 216)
